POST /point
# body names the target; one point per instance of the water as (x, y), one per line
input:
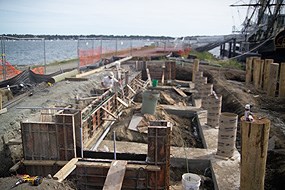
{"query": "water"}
(34, 52)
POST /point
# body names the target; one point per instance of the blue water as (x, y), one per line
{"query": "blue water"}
(34, 52)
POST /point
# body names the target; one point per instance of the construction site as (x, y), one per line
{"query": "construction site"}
(167, 123)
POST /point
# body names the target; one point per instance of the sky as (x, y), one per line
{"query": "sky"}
(120, 17)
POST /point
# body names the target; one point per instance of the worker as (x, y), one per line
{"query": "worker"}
(108, 81)
(247, 113)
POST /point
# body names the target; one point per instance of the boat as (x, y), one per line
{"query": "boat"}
(264, 29)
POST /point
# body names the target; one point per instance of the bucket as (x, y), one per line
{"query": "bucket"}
(149, 101)
(154, 83)
(191, 181)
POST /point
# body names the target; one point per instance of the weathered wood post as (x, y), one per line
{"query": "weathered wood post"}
(159, 154)
(266, 79)
(282, 81)
(256, 71)
(261, 73)
(274, 69)
(248, 70)
(195, 68)
(254, 152)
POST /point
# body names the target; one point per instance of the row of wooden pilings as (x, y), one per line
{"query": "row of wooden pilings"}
(254, 134)
(266, 75)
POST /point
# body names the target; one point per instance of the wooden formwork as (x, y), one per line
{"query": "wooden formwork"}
(52, 140)
(156, 69)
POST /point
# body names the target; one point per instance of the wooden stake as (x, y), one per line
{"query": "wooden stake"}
(133, 91)
(266, 73)
(256, 71)
(248, 70)
(122, 102)
(282, 81)
(254, 153)
(274, 68)
(195, 68)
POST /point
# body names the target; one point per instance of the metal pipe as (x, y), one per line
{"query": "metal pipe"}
(114, 137)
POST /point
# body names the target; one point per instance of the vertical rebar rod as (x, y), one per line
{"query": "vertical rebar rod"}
(114, 136)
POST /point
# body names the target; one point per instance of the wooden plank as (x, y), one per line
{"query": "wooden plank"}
(282, 81)
(3, 111)
(195, 68)
(261, 75)
(66, 170)
(115, 176)
(148, 74)
(132, 90)
(16, 166)
(14, 142)
(267, 73)
(122, 102)
(180, 92)
(108, 112)
(136, 119)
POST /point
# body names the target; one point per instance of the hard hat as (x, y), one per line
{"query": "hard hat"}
(247, 106)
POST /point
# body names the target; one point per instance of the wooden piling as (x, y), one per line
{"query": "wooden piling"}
(273, 73)
(254, 152)
(282, 81)
(266, 76)
(256, 71)
(261, 73)
(195, 68)
(248, 70)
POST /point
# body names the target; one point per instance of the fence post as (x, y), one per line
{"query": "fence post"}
(274, 68)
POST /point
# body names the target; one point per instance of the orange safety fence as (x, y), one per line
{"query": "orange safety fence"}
(87, 57)
(184, 52)
(39, 70)
(11, 71)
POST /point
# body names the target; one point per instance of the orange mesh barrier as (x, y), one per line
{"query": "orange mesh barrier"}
(10, 71)
(87, 57)
(39, 70)
(184, 52)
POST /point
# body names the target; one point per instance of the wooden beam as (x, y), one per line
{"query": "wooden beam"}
(14, 142)
(108, 112)
(44, 162)
(195, 68)
(180, 92)
(16, 166)
(282, 81)
(115, 176)
(148, 75)
(261, 75)
(3, 111)
(255, 137)
(133, 91)
(66, 170)
(122, 102)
